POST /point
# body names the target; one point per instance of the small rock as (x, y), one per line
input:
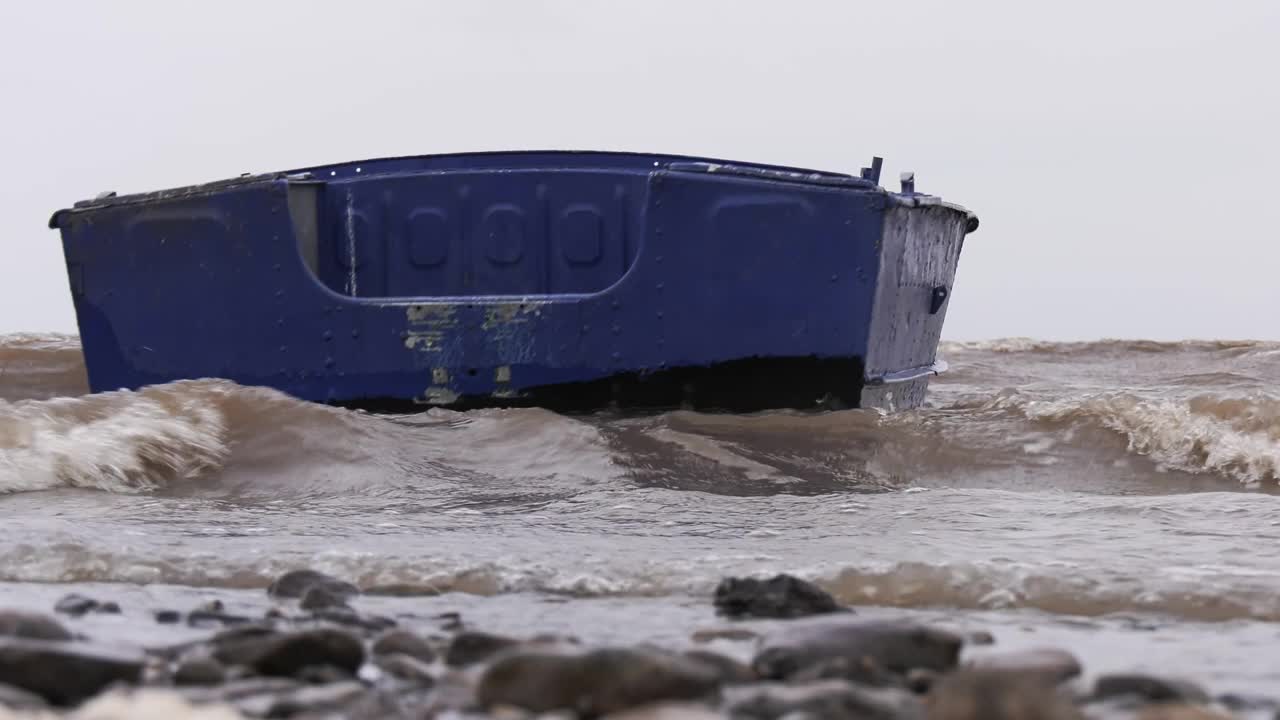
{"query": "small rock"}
(108, 608)
(1148, 687)
(823, 699)
(380, 705)
(319, 597)
(285, 654)
(468, 648)
(16, 698)
(65, 673)
(1054, 664)
(199, 671)
(729, 671)
(668, 711)
(405, 643)
(450, 621)
(212, 606)
(897, 647)
(997, 695)
(233, 691)
(706, 636)
(921, 681)
(1179, 711)
(33, 626)
(214, 618)
(307, 699)
(295, 583)
(322, 675)
(780, 597)
(405, 667)
(864, 671)
(167, 617)
(344, 615)
(75, 605)
(595, 682)
(1238, 702)
(981, 637)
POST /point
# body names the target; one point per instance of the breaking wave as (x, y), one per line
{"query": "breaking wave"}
(130, 441)
(1238, 437)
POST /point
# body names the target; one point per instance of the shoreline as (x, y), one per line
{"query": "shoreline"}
(720, 660)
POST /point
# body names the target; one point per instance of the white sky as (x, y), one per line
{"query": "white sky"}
(1122, 155)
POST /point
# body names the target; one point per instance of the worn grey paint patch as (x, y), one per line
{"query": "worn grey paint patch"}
(920, 249)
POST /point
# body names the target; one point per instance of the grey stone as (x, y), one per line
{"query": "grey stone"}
(895, 646)
(295, 583)
(32, 626)
(1055, 664)
(285, 654)
(199, 671)
(16, 698)
(468, 648)
(405, 643)
(835, 699)
(65, 673)
(780, 597)
(1148, 687)
(594, 682)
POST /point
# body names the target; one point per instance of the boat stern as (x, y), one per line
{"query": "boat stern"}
(920, 247)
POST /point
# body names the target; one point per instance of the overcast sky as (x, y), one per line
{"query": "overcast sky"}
(1122, 156)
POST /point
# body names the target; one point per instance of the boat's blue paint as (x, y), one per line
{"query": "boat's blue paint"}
(487, 276)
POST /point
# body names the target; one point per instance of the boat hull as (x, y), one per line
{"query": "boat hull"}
(574, 281)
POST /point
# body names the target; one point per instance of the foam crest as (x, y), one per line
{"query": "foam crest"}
(121, 442)
(1237, 437)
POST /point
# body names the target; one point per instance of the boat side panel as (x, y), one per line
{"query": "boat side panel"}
(217, 286)
(735, 267)
(525, 232)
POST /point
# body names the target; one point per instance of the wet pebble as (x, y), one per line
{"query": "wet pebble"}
(296, 583)
(468, 648)
(668, 711)
(214, 618)
(726, 668)
(821, 699)
(712, 634)
(1179, 711)
(405, 667)
(1055, 664)
(894, 646)
(30, 625)
(16, 698)
(779, 597)
(981, 637)
(199, 671)
(320, 597)
(344, 615)
(285, 654)
(593, 682)
(974, 694)
(405, 643)
(75, 605)
(65, 673)
(167, 617)
(1148, 687)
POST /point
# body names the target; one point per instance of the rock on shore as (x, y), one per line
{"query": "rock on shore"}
(315, 655)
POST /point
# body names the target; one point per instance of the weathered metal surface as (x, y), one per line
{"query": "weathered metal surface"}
(562, 279)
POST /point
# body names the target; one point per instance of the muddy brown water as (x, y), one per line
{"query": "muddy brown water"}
(1116, 498)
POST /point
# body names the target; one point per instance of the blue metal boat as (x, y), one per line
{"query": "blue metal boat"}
(569, 280)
